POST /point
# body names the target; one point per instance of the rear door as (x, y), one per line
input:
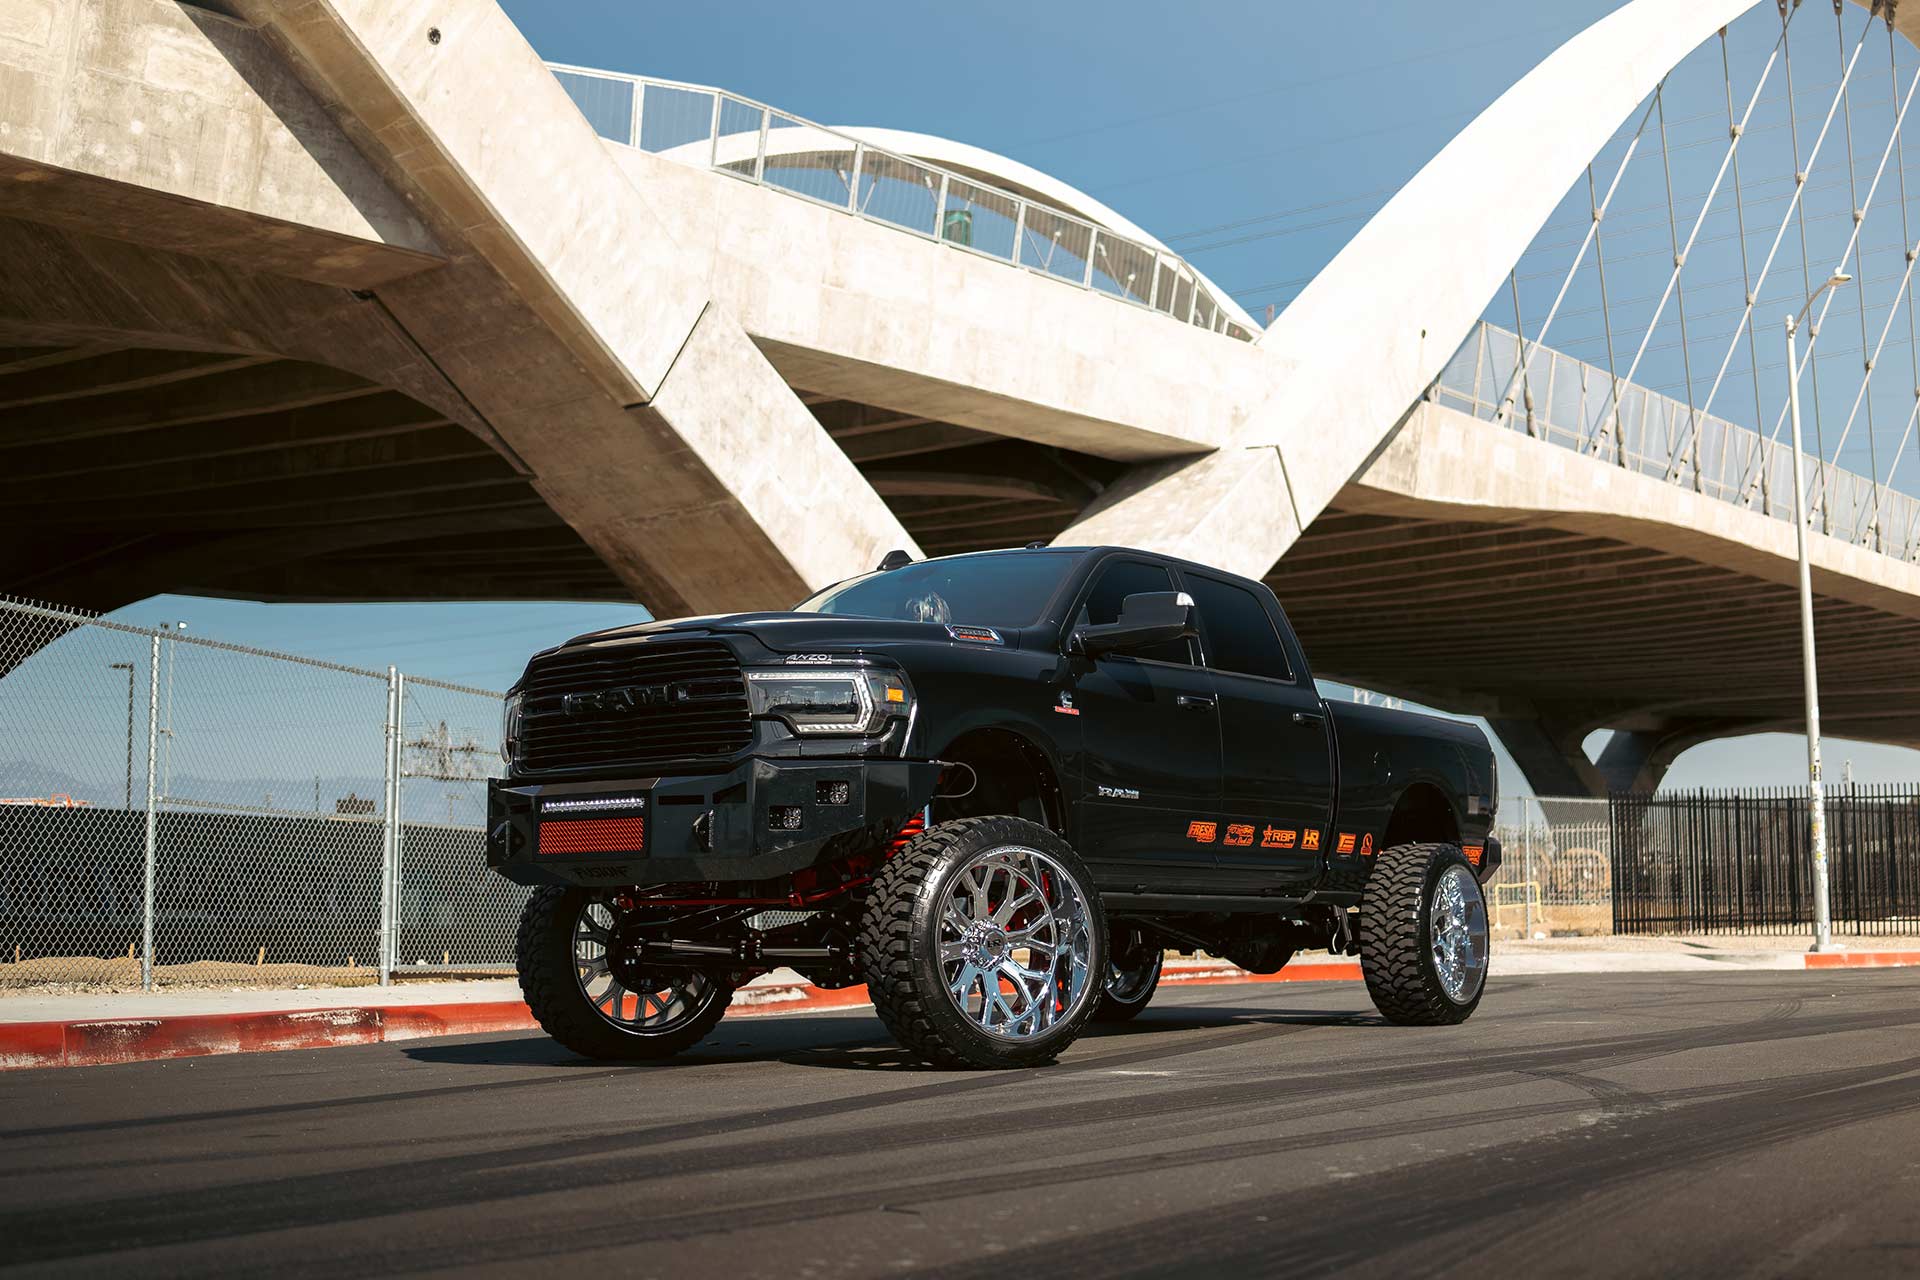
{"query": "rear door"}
(1150, 760)
(1275, 744)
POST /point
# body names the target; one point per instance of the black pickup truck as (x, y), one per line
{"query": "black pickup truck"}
(996, 788)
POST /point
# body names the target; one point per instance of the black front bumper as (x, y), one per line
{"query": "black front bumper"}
(730, 827)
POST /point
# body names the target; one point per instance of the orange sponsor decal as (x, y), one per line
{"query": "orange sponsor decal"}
(1366, 845)
(1239, 833)
(1201, 831)
(1275, 838)
(1310, 839)
(1474, 853)
(1345, 843)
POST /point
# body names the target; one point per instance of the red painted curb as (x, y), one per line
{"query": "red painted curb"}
(1862, 959)
(85, 1043)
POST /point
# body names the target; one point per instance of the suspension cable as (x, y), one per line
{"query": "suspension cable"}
(1796, 205)
(1746, 274)
(1592, 237)
(1679, 286)
(1520, 361)
(1913, 338)
(1706, 206)
(1606, 318)
(1799, 182)
(1860, 292)
(1813, 329)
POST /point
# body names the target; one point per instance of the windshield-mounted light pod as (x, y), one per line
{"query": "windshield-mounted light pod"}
(824, 700)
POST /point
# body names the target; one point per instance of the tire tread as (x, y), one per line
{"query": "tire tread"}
(1391, 952)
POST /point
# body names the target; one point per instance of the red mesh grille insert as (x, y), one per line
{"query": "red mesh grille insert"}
(593, 835)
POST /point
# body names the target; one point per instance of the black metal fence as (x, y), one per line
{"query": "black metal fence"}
(1742, 862)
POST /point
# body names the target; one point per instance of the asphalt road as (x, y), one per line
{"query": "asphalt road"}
(1753, 1124)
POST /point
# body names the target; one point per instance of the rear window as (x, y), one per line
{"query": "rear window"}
(991, 591)
(1239, 633)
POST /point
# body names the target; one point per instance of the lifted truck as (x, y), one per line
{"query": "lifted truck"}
(996, 788)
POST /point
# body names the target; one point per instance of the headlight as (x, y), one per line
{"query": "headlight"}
(510, 726)
(829, 700)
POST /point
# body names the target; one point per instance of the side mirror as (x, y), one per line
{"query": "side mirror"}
(1147, 619)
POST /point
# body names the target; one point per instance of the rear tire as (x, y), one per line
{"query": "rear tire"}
(983, 944)
(1133, 975)
(584, 997)
(1423, 936)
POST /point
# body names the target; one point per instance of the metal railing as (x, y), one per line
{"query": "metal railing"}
(1571, 403)
(1739, 862)
(175, 810)
(753, 142)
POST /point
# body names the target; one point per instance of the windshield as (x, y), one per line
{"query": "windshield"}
(989, 591)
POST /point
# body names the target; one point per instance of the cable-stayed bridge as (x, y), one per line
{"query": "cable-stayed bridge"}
(363, 301)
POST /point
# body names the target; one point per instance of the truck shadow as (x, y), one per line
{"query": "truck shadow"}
(858, 1042)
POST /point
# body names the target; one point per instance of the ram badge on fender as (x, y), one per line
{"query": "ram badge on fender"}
(996, 788)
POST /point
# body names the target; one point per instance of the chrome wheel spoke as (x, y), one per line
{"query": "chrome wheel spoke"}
(1013, 942)
(1457, 933)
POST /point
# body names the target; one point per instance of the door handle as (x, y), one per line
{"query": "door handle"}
(1194, 701)
(1306, 717)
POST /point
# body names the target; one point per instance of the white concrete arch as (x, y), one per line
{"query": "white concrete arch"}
(1361, 342)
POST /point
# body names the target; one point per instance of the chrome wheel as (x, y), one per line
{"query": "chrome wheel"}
(625, 994)
(1457, 928)
(1016, 942)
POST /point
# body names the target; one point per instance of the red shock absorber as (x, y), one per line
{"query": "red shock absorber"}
(915, 825)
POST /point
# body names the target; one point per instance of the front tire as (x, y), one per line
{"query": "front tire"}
(585, 994)
(1423, 936)
(983, 944)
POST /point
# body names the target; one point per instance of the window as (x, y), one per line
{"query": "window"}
(995, 590)
(1120, 579)
(1240, 634)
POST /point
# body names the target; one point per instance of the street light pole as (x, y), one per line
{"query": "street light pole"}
(1816, 798)
(128, 668)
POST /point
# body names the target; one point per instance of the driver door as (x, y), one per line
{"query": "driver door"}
(1149, 783)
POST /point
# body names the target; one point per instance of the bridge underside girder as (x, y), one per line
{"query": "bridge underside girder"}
(1552, 633)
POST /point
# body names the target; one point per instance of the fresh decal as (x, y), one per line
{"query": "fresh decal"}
(1203, 832)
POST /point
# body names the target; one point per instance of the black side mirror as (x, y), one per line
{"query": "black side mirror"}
(1147, 619)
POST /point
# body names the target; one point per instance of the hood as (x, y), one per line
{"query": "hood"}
(790, 632)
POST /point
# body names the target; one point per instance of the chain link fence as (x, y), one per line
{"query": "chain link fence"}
(1556, 870)
(175, 811)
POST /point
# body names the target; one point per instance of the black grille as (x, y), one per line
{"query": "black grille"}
(638, 705)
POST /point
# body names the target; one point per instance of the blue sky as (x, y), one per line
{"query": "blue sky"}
(1237, 111)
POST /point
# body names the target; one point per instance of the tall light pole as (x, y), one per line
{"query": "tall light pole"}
(128, 668)
(1816, 798)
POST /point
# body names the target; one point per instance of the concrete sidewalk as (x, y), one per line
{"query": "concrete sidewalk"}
(83, 1028)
